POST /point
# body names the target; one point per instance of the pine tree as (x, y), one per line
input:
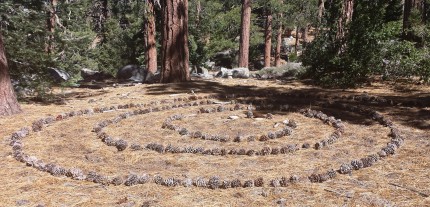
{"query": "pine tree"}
(8, 103)
(175, 55)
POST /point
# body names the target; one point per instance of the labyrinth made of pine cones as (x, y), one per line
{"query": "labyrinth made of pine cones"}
(208, 141)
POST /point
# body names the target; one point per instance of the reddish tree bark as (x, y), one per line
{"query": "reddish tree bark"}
(51, 26)
(278, 46)
(244, 35)
(151, 49)
(8, 103)
(175, 54)
(268, 40)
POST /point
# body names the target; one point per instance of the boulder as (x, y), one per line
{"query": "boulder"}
(233, 73)
(90, 75)
(153, 78)
(289, 70)
(224, 73)
(132, 73)
(240, 73)
(58, 75)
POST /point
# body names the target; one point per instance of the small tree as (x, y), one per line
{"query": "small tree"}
(175, 55)
(8, 103)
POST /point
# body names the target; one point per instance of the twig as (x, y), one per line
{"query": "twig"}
(337, 193)
(411, 189)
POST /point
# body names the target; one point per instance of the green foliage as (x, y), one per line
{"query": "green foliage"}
(372, 47)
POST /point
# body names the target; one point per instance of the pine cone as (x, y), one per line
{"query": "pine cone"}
(294, 179)
(248, 184)
(136, 147)
(264, 138)
(275, 151)
(283, 182)
(331, 174)
(346, 168)
(250, 152)
(357, 164)
(306, 146)
(158, 180)
(315, 178)
(170, 182)
(292, 124)
(75, 173)
(132, 180)
(241, 152)
(121, 145)
(236, 183)
(275, 183)
(200, 182)
(187, 182)
(225, 184)
(117, 181)
(266, 151)
(214, 182)
(259, 182)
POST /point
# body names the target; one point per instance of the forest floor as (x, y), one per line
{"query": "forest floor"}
(399, 180)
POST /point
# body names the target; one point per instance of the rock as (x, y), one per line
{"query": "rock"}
(201, 72)
(241, 73)
(153, 78)
(233, 117)
(132, 73)
(224, 73)
(59, 75)
(90, 75)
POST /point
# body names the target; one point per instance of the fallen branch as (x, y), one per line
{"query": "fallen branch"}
(411, 189)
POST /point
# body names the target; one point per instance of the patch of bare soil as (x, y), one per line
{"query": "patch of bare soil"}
(398, 180)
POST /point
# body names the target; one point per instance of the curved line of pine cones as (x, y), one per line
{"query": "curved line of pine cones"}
(215, 182)
(121, 144)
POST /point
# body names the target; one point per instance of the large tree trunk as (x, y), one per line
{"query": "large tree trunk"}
(268, 40)
(175, 54)
(278, 46)
(151, 49)
(52, 13)
(244, 35)
(8, 103)
(407, 8)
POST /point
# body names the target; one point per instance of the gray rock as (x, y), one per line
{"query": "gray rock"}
(58, 75)
(241, 73)
(131, 73)
(90, 75)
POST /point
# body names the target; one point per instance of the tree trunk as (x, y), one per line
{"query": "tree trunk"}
(175, 54)
(8, 103)
(296, 44)
(343, 21)
(407, 8)
(51, 26)
(151, 48)
(244, 35)
(305, 31)
(321, 9)
(345, 18)
(268, 40)
(278, 46)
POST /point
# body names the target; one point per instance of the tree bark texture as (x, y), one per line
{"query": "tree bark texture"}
(52, 13)
(8, 103)
(151, 48)
(244, 35)
(407, 9)
(175, 54)
(268, 40)
(278, 46)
